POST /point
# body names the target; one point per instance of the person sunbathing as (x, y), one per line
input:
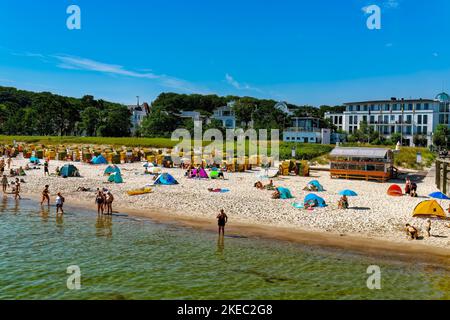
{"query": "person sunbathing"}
(311, 204)
(412, 232)
(276, 194)
(343, 203)
(259, 185)
(270, 185)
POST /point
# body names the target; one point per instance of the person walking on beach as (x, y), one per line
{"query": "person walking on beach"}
(17, 191)
(100, 201)
(59, 203)
(222, 220)
(9, 162)
(46, 173)
(428, 227)
(46, 195)
(4, 183)
(2, 166)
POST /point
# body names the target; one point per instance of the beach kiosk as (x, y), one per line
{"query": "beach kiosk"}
(362, 163)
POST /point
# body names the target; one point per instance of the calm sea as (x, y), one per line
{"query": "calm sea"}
(133, 258)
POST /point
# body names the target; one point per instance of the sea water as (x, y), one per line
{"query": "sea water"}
(134, 258)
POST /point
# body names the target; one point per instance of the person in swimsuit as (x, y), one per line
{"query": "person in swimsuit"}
(411, 232)
(100, 200)
(46, 195)
(4, 183)
(108, 202)
(222, 220)
(59, 203)
(46, 173)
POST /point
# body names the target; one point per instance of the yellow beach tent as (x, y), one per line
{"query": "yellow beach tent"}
(429, 208)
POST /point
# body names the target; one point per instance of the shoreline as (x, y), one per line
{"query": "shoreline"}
(349, 243)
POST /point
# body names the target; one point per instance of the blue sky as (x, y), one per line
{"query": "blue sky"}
(304, 52)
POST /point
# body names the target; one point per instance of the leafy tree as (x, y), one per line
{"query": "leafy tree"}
(159, 123)
(440, 137)
(244, 110)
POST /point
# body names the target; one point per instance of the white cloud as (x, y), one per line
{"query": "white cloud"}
(78, 63)
(435, 54)
(240, 86)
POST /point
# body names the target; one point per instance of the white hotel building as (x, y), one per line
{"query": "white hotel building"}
(407, 117)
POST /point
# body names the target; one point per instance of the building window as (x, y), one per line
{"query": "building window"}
(365, 119)
(340, 119)
(419, 119)
(410, 106)
(425, 119)
(426, 106)
(424, 130)
(418, 106)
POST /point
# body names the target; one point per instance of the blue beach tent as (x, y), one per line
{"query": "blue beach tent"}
(439, 195)
(34, 160)
(165, 179)
(69, 170)
(313, 197)
(284, 193)
(116, 177)
(99, 160)
(316, 184)
(111, 170)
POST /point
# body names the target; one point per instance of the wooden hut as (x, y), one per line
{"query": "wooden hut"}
(362, 163)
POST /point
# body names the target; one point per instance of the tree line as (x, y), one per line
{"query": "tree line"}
(164, 117)
(29, 113)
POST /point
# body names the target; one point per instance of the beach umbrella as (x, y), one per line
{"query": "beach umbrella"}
(439, 195)
(348, 193)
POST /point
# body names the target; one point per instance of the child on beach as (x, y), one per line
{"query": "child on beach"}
(59, 203)
(46, 195)
(222, 220)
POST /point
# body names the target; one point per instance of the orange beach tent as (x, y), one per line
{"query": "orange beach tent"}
(395, 190)
(429, 208)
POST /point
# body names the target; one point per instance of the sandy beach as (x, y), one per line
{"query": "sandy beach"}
(373, 216)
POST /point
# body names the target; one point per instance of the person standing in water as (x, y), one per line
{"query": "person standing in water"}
(222, 220)
(4, 183)
(46, 195)
(17, 189)
(59, 203)
(100, 201)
